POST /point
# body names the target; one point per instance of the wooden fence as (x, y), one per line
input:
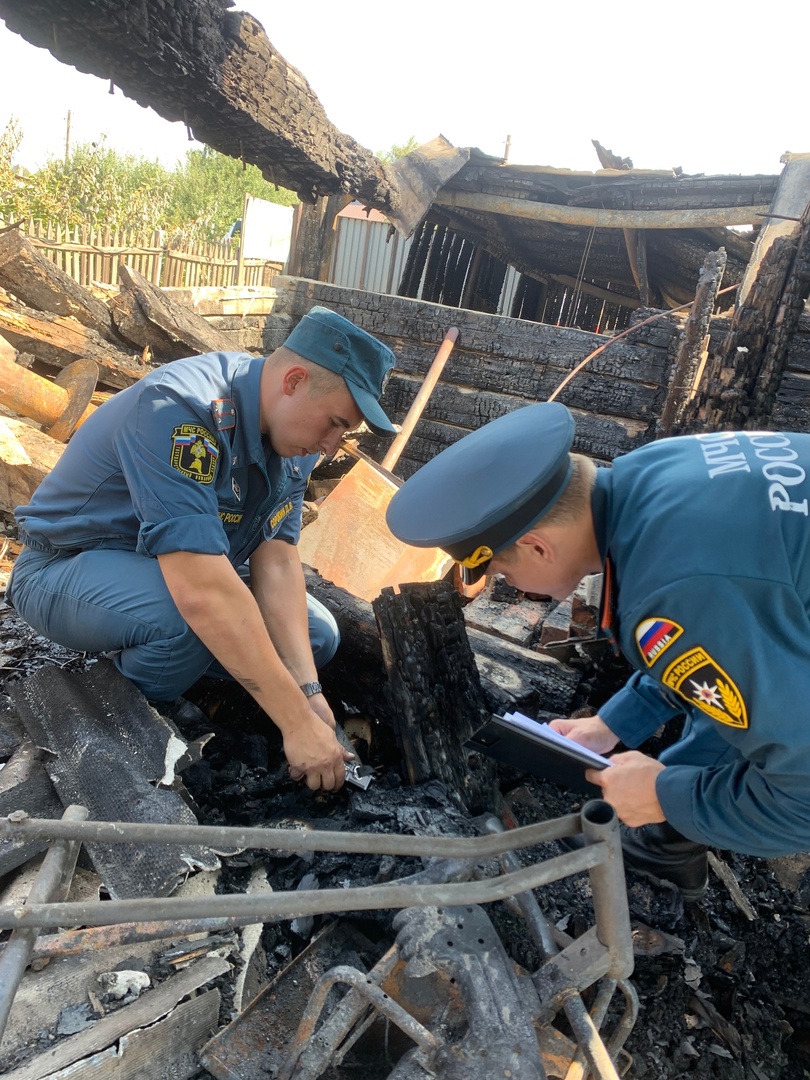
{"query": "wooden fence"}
(93, 255)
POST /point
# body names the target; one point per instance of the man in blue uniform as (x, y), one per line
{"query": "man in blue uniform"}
(705, 546)
(133, 542)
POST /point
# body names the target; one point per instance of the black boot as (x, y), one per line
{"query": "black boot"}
(661, 852)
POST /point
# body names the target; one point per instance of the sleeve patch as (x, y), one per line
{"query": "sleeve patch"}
(703, 683)
(194, 452)
(654, 636)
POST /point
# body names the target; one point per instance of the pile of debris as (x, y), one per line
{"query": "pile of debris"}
(215, 933)
(710, 1005)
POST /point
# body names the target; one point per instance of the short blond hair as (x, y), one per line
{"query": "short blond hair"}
(570, 506)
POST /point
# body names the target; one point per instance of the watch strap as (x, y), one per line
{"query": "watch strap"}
(308, 689)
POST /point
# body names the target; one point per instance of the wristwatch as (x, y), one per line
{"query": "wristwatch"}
(310, 688)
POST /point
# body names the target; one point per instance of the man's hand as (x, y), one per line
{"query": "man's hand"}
(314, 753)
(629, 786)
(320, 706)
(589, 731)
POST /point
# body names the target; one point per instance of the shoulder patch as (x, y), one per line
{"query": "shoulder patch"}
(194, 452)
(702, 682)
(654, 636)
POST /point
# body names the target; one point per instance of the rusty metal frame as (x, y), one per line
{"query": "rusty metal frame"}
(603, 953)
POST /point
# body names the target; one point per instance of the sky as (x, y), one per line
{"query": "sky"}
(699, 85)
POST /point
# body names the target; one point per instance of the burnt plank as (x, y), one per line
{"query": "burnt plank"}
(39, 283)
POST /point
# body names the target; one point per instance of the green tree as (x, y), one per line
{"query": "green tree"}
(390, 155)
(96, 186)
(208, 193)
(11, 182)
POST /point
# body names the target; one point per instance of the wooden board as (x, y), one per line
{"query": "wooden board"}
(351, 545)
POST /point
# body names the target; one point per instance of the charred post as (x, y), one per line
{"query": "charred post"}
(436, 695)
(694, 345)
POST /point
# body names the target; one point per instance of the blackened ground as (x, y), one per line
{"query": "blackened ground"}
(722, 996)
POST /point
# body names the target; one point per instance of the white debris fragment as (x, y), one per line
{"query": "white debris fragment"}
(175, 748)
(117, 984)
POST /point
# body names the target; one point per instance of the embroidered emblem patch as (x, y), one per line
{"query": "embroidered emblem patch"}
(194, 452)
(702, 682)
(653, 636)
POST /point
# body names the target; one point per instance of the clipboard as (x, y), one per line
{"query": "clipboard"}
(531, 752)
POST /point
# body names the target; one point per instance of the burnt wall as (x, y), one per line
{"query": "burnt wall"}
(498, 365)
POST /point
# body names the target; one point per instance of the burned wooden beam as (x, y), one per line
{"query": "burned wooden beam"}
(216, 71)
(740, 380)
(513, 678)
(692, 352)
(40, 284)
(58, 340)
(148, 316)
(531, 210)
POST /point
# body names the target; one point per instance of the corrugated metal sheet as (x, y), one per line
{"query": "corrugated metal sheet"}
(362, 258)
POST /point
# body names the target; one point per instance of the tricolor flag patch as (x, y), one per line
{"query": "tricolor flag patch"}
(654, 636)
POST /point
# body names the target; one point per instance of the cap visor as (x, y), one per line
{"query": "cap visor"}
(371, 410)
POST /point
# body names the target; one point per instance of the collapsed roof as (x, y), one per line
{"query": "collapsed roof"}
(631, 237)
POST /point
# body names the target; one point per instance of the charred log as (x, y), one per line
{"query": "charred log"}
(39, 283)
(512, 677)
(435, 690)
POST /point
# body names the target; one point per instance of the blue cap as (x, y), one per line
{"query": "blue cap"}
(332, 342)
(485, 491)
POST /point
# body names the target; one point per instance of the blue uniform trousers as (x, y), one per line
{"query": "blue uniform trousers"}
(105, 600)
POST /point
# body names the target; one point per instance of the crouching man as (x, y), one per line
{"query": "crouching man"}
(134, 541)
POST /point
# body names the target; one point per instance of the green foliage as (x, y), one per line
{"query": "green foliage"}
(208, 194)
(396, 151)
(96, 186)
(10, 182)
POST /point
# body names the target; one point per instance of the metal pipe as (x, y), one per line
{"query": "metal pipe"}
(18, 826)
(578, 1017)
(376, 997)
(52, 880)
(600, 823)
(262, 907)
(312, 1053)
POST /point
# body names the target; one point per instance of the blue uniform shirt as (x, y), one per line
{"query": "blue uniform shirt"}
(176, 462)
(709, 537)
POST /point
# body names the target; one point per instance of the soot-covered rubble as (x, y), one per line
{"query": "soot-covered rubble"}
(724, 985)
